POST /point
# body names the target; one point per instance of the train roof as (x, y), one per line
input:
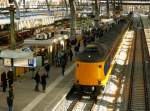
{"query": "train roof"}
(94, 52)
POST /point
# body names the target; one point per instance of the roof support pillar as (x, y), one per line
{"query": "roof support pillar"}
(17, 10)
(96, 18)
(66, 5)
(12, 28)
(48, 7)
(72, 20)
(108, 8)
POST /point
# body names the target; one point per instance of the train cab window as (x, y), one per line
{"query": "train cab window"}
(92, 53)
(97, 51)
(91, 50)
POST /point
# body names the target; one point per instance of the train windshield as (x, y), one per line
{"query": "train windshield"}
(91, 50)
(91, 53)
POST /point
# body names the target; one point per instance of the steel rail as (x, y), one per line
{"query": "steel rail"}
(74, 103)
(138, 88)
(88, 106)
(145, 74)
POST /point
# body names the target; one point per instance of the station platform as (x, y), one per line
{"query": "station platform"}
(26, 99)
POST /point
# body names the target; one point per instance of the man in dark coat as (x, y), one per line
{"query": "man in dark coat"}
(4, 81)
(63, 65)
(43, 82)
(76, 49)
(65, 56)
(10, 77)
(47, 68)
(37, 80)
(70, 54)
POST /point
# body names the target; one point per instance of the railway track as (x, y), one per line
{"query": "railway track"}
(138, 84)
(146, 25)
(81, 103)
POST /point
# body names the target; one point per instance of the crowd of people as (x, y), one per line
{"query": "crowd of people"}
(90, 35)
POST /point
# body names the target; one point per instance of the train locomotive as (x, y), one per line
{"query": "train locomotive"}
(93, 68)
(92, 65)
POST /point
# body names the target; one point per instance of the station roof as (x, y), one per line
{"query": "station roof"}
(4, 3)
(29, 2)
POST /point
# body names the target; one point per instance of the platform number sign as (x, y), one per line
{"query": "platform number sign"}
(31, 62)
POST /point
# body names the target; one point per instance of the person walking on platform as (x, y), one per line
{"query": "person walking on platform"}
(75, 41)
(37, 80)
(68, 44)
(10, 77)
(4, 81)
(42, 74)
(76, 49)
(63, 65)
(43, 82)
(10, 99)
(70, 54)
(47, 68)
(65, 56)
(59, 58)
(78, 44)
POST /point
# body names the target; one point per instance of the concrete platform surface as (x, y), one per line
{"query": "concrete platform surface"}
(26, 99)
